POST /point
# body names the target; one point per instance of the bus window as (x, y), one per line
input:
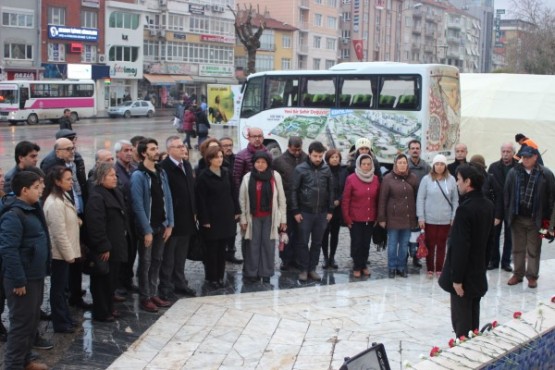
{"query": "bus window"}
(281, 92)
(400, 92)
(357, 92)
(252, 99)
(318, 92)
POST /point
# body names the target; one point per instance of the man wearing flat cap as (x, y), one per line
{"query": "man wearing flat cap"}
(529, 195)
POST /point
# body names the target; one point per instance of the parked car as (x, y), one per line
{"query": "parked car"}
(133, 108)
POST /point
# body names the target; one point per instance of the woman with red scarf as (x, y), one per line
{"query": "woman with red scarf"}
(263, 213)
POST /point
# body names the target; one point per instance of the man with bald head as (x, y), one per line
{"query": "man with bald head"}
(499, 170)
(243, 164)
(101, 156)
(461, 152)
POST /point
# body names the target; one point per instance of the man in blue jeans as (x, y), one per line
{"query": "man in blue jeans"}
(312, 204)
(152, 205)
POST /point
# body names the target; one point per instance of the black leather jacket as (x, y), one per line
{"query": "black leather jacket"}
(312, 189)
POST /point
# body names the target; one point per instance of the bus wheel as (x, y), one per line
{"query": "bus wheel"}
(33, 119)
(149, 114)
(74, 117)
(274, 149)
(127, 114)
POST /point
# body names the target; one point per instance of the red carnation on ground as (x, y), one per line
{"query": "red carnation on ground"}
(494, 324)
(476, 332)
(463, 338)
(435, 352)
(553, 299)
(452, 343)
(517, 315)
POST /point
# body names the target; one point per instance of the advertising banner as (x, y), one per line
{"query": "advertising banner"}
(223, 104)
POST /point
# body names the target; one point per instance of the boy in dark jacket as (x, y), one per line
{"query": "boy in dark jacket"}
(25, 254)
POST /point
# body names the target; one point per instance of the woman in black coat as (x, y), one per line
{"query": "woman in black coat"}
(218, 211)
(108, 231)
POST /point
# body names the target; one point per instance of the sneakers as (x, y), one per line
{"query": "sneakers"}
(148, 305)
(314, 276)
(160, 302)
(42, 343)
(514, 280)
(34, 365)
(303, 276)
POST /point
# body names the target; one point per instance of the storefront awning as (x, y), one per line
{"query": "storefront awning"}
(215, 80)
(165, 80)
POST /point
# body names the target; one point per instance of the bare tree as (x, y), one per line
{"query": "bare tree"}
(248, 33)
(533, 51)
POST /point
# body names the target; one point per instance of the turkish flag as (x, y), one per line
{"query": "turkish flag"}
(357, 44)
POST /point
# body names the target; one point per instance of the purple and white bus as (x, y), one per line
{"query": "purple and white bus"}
(32, 101)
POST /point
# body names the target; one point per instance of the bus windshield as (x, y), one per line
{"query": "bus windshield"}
(8, 95)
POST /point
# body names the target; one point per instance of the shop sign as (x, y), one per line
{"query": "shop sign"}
(196, 9)
(123, 71)
(91, 3)
(212, 70)
(179, 36)
(218, 38)
(173, 69)
(12, 75)
(72, 33)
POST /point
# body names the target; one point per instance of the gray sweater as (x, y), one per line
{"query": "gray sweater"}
(431, 205)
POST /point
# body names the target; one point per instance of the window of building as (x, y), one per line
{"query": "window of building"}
(267, 40)
(18, 51)
(176, 22)
(318, 1)
(89, 19)
(199, 24)
(286, 41)
(151, 50)
(332, 3)
(124, 20)
(329, 63)
(264, 63)
(346, 34)
(219, 26)
(332, 23)
(194, 53)
(317, 42)
(123, 53)
(57, 16)
(89, 54)
(17, 18)
(56, 52)
(316, 63)
(346, 16)
(318, 20)
(331, 43)
(285, 63)
(345, 53)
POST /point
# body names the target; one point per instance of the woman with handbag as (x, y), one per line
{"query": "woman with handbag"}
(397, 213)
(107, 231)
(263, 215)
(360, 208)
(217, 213)
(436, 205)
(63, 225)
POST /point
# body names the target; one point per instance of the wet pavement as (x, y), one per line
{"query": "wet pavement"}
(96, 345)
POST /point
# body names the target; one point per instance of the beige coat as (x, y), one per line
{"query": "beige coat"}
(63, 226)
(279, 206)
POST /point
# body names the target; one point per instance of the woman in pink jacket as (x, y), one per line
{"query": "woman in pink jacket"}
(360, 210)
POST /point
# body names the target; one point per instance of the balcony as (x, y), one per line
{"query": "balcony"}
(429, 33)
(415, 46)
(417, 13)
(428, 48)
(453, 40)
(416, 31)
(304, 4)
(303, 26)
(454, 24)
(303, 48)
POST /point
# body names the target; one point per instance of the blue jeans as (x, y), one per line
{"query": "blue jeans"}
(311, 229)
(397, 248)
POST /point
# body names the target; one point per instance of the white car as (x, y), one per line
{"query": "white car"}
(133, 108)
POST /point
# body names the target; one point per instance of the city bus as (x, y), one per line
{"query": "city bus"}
(388, 103)
(32, 101)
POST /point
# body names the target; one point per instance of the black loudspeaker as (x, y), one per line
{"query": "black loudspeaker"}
(374, 358)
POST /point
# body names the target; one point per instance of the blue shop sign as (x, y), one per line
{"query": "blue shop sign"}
(72, 33)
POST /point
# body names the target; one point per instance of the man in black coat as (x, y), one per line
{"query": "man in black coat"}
(65, 120)
(464, 271)
(461, 151)
(181, 182)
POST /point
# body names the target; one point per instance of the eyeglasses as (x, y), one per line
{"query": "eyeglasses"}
(227, 145)
(68, 149)
(177, 146)
(256, 136)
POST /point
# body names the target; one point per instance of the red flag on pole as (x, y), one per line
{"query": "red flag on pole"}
(357, 44)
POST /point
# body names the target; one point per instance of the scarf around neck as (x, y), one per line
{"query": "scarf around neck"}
(266, 193)
(364, 176)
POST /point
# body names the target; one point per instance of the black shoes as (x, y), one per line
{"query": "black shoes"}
(507, 268)
(402, 274)
(45, 316)
(234, 260)
(416, 262)
(491, 266)
(392, 274)
(186, 291)
(82, 305)
(66, 330)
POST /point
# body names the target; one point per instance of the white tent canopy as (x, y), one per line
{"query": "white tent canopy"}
(497, 106)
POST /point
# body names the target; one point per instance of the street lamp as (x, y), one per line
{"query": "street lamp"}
(399, 29)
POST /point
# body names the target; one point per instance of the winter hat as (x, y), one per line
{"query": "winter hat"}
(363, 143)
(440, 158)
(479, 161)
(67, 133)
(264, 155)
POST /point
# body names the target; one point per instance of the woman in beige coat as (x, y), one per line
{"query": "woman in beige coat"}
(63, 226)
(263, 213)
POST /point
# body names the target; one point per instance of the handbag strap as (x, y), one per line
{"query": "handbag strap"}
(445, 196)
